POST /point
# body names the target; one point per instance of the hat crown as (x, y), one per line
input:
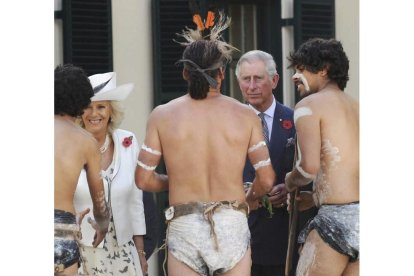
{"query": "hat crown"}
(105, 89)
(103, 82)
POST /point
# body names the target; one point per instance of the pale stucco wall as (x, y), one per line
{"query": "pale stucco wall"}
(347, 31)
(132, 53)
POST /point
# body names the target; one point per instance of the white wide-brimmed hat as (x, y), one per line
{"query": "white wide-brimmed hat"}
(105, 89)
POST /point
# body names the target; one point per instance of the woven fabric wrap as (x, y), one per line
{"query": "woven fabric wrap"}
(66, 237)
(207, 209)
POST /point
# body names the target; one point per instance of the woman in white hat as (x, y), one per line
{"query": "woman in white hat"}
(122, 252)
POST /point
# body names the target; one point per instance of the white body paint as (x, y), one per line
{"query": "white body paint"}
(262, 164)
(300, 112)
(145, 167)
(330, 158)
(307, 258)
(150, 150)
(303, 173)
(255, 147)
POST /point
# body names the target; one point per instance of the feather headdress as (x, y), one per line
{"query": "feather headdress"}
(209, 29)
(206, 51)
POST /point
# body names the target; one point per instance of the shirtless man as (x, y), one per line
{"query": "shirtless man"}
(75, 149)
(327, 125)
(204, 138)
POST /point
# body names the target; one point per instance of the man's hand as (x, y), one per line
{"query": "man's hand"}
(278, 195)
(304, 201)
(288, 182)
(99, 234)
(81, 215)
(253, 203)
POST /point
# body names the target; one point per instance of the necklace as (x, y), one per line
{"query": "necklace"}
(105, 145)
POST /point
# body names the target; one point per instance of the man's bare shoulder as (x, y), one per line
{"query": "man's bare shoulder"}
(167, 108)
(87, 136)
(240, 107)
(72, 131)
(308, 101)
(316, 100)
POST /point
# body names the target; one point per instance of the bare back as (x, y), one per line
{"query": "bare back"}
(75, 149)
(336, 115)
(204, 144)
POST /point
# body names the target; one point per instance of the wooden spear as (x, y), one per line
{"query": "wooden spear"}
(293, 221)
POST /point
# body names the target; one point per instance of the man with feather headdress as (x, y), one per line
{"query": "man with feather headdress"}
(204, 138)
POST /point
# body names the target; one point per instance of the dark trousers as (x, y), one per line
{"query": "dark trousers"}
(268, 270)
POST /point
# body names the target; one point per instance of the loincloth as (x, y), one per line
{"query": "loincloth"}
(66, 245)
(210, 238)
(338, 226)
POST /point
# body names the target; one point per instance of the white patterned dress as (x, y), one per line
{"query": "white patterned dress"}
(111, 259)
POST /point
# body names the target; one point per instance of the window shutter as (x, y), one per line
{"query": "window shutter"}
(87, 34)
(313, 18)
(170, 17)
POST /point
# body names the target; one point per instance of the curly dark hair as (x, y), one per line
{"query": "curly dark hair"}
(73, 90)
(205, 54)
(317, 54)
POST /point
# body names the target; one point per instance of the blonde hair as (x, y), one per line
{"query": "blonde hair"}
(117, 116)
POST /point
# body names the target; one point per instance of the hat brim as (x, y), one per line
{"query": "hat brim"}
(119, 93)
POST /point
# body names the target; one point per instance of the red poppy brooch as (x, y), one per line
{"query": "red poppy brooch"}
(127, 141)
(287, 124)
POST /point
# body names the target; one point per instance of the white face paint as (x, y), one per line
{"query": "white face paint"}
(299, 78)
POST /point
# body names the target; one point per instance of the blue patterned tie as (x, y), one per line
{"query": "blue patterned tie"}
(265, 129)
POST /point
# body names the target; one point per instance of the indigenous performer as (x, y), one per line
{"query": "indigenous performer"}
(74, 149)
(204, 138)
(327, 125)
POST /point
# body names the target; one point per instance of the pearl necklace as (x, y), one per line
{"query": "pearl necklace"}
(105, 145)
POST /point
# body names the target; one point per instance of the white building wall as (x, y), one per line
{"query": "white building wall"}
(347, 31)
(132, 53)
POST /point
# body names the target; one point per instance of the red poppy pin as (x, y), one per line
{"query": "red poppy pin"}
(127, 141)
(287, 124)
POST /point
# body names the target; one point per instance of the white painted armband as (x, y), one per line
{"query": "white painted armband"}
(258, 145)
(150, 150)
(300, 112)
(145, 167)
(262, 164)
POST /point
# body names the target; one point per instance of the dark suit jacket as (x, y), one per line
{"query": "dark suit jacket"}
(151, 223)
(270, 235)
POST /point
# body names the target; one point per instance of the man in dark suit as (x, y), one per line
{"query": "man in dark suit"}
(257, 76)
